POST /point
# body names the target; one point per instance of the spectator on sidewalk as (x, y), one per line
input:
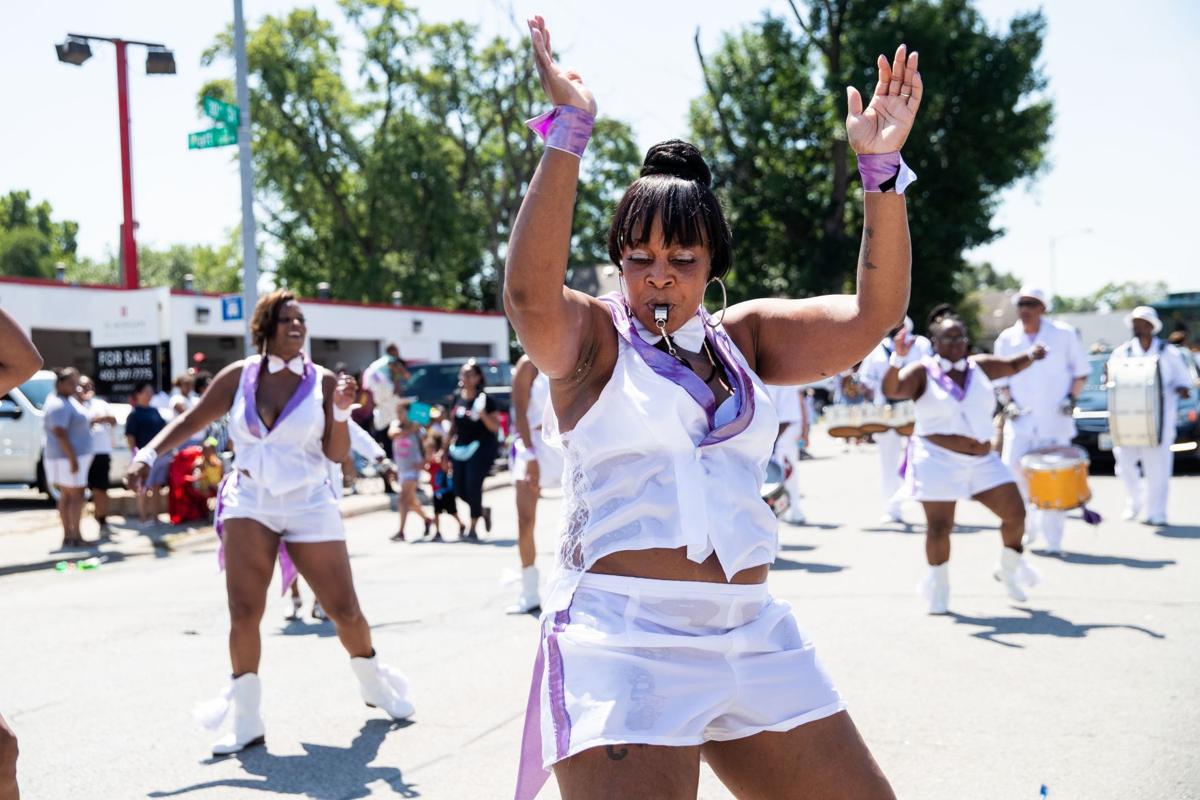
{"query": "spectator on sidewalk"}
(183, 395)
(19, 359)
(384, 378)
(142, 425)
(100, 415)
(68, 452)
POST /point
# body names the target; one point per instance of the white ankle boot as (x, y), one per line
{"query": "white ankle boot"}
(243, 697)
(1016, 574)
(529, 599)
(382, 686)
(936, 588)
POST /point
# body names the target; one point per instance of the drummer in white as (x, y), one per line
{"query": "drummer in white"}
(1039, 402)
(890, 443)
(1147, 488)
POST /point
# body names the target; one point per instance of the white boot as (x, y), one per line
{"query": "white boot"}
(935, 588)
(1016, 574)
(529, 599)
(243, 696)
(382, 686)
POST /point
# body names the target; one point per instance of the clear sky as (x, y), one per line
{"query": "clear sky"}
(1123, 160)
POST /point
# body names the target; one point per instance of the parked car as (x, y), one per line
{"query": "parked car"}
(1091, 415)
(436, 383)
(23, 435)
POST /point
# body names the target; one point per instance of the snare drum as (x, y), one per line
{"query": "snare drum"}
(842, 421)
(875, 419)
(904, 417)
(1135, 401)
(1057, 477)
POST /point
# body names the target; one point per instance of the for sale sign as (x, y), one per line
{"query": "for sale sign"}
(120, 370)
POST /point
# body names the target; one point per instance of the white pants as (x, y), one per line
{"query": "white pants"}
(1147, 487)
(1047, 522)
(891, 446)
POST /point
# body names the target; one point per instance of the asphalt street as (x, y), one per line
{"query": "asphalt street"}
(1090, 689)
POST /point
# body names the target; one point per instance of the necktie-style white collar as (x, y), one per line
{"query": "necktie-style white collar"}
(277, 364)
(952, 366)
(690, 337)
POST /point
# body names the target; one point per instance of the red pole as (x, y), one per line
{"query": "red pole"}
(129, 272)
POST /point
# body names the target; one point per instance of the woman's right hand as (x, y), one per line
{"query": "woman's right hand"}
(136, 475)
(564, 87)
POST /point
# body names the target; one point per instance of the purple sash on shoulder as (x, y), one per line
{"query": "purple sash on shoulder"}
(666, 366)
(934, 369)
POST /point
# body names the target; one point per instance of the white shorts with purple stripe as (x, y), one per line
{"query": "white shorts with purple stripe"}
(677, 663)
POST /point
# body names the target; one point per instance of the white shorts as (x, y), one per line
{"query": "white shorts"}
(550, 464)
(309, 514)
(940, 475)
(58, 471)
(678, 663)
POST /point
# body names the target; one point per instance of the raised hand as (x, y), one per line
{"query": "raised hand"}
(346, 392)
(903, 343)
(564, 87)
(1037, 352)
(886, 122)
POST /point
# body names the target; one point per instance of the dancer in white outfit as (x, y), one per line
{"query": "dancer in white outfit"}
(951, 457)
(1040, 402)
(657, 627)
(534, 467)
(790, 407)
(1147, 487)
(288, 420)
(890, 443)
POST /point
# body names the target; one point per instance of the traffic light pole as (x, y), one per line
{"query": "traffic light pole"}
(129, 254)
(249, 250)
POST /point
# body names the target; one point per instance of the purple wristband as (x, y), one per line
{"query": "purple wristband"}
(880, 170)
(565, 128)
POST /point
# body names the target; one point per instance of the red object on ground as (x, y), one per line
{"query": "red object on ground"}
(184, 502)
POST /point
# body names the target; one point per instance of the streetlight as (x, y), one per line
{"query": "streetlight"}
(1053, 247)
(159, 61)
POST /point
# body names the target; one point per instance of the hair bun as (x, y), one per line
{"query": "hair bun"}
(679, 159)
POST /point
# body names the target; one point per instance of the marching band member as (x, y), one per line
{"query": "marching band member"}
(890, 443)
(952, 457)
(1147, 488)
(1039, 402)
(660, 640)
(789, 405)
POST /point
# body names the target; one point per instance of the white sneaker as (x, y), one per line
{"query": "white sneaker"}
(794, 516)
(1013, 572)
(1131, 512)
(244, 697)
(935, 588)
(382, 686)
(529, 599)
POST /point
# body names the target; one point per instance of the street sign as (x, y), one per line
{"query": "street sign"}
(231, 307)
(223, 113)
(213, 137)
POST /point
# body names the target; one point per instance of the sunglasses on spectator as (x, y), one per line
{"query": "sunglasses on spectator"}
(1028, 304)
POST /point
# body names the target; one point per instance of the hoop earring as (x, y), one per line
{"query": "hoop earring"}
(724, 303)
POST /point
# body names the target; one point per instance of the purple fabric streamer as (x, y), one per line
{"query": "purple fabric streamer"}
(945, 381)
(1091, 517)
(876, 169)
(250, 375)
(565, 128)
(531, 775)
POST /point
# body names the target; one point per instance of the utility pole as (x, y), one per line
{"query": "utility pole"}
(249, 249)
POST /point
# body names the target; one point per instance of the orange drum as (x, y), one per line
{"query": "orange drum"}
(1057, 477)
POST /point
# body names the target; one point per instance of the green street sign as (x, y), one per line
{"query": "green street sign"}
(223, 113)
(213, 137)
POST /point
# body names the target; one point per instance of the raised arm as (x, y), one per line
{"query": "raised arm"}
(907, 383)
(833, 332)
(1006, 366)
(19, 359)
(553, 322)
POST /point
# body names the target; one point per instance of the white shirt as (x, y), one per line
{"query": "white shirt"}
(938, 411)
(1039, 390)
(786, 400)
(875, 365)
(179, 403)
(377, 379)
(101, 434)
(1172, 369)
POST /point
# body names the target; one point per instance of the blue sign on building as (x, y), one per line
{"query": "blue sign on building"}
(231, 307)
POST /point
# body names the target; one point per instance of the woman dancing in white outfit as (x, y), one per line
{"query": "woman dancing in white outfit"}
(660, 642)
(288, 420)
(951, 457)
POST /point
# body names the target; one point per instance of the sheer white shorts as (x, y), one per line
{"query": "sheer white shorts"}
(940, 475)
(309, 514)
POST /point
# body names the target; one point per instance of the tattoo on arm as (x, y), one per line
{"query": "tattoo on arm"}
(867, 249)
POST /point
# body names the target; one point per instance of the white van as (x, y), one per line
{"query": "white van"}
(23, 435)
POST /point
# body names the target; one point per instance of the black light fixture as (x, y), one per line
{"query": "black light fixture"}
(73, 51)
(160, 61)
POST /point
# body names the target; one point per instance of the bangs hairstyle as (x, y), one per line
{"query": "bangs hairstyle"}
(266, 316)
(675, 188)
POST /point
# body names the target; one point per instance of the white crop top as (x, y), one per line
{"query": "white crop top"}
(654, 463)
(291, 455)
(945, 408)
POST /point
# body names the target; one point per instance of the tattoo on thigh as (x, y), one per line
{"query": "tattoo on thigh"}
(617, 753)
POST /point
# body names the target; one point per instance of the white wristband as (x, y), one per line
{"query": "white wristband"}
(147, 456)
(342, 414)
(894, 360)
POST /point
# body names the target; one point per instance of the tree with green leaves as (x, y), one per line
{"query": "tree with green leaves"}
(771, 122)
(32, 242)
(410, 179)
(1115, 296)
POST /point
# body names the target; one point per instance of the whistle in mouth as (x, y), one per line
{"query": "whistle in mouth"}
(660, 314)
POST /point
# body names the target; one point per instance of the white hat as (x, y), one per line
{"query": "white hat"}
(1145, 313)
(1033, 293)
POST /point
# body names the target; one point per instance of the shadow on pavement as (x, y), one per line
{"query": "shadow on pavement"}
(822, 526)
(783, 565)
(1038, 623)
(1106, 561)
(322, 772)
(298, 627)
(1180, 532)
(797, 547)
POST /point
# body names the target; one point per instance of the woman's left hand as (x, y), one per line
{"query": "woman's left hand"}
(346, 392)
(884, 125)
